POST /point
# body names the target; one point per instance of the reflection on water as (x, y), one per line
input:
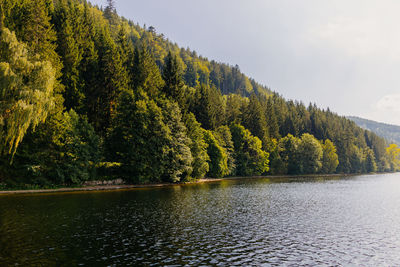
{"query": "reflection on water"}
(310, 221)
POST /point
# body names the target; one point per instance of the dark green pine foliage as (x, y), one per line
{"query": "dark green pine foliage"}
(271, 119)
(126, 51)
(110, 12)
(69, 24)
(254, 119)
(149, 141)
(146, 74)
(134, 139)
(208, 107)
(191, 76)
(112, 80)
(174, 86)
(107, 69)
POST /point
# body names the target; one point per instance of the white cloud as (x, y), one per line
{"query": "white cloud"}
(387, 109)
(358, 37)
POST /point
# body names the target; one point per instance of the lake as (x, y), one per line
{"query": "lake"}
(299, 221)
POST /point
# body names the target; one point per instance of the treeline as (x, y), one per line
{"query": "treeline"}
(86, 94)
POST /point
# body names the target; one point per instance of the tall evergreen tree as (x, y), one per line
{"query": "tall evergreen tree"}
(255, 119)
(174, 86)
(146, 74)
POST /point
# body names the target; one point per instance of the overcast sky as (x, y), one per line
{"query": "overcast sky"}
(340, 54)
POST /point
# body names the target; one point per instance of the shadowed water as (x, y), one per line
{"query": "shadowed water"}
(310, 221)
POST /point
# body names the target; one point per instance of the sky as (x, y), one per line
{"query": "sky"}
(340, 54)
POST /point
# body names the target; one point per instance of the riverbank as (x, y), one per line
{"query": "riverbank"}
(137, 186)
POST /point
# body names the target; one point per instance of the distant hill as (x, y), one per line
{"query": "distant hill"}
(388, 131)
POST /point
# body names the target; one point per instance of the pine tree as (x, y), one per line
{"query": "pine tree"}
(208, 107)
(150, 141)
(174, 87)
(177, 156)
(146, 74)
(110, 12)
(255, 119)
(37, 31)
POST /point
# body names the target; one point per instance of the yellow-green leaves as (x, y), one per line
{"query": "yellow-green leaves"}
(26, 91)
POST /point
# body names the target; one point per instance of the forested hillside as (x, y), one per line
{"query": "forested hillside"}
(86, 94)
(388, 131)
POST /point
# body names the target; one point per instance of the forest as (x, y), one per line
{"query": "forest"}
(88, 95)
(390, 132)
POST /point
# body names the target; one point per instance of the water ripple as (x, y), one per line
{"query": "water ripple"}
(325, 222)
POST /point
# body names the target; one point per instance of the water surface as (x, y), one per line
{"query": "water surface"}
(304, 221)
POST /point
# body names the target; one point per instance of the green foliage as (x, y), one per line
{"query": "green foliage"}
(370, 164)
(198, 147)
(249, 156)
(63, 150)
(218, 161)
(393, 157)
(146, 74)
(26, 91)
(69, 61)
(224, 138)
(150, 141)
(310, 154)
(254, 118)
(208, 107)
(174, 87)
(330, 159)
(288, 155)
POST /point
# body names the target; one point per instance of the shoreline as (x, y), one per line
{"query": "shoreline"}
(95, 188)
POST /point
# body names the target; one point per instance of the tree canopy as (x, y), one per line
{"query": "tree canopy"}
(86, 94)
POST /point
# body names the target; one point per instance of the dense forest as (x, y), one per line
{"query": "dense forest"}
(388, 131)
(86, 95)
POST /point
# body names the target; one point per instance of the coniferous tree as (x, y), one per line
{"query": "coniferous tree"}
(110, 12)
(146, 74)
(255, 119)
(107, 69)
(174, 86)
(208, 107)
